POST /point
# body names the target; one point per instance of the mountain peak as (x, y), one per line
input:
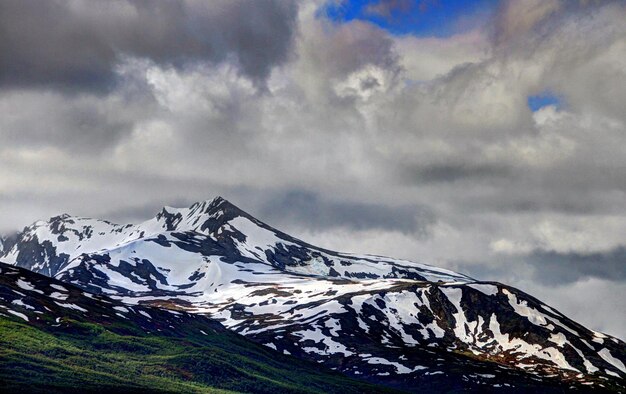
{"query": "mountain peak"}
(209, 205)
(218, 199)
(200, 216)
(214, 207)
(61, 217)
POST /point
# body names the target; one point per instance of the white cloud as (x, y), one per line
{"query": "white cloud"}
(425, 59)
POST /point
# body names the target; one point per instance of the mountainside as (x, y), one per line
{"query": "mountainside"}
(56, 338)
(394, 322)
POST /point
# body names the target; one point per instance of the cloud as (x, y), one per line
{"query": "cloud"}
(425, 58)
(76, 44)
(553, 267)
(330, 54)
(79, 122)
(450, 172)
(386, 8)
(320, 214)
(344, 105)
(550, 268)
(516, 18)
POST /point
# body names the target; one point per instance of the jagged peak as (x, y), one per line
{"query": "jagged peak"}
(198, 208)
(197, 216)
(51, 220)
(212, 206)
(63, 216)
(167, 211)
(217, 200)
(206, 205)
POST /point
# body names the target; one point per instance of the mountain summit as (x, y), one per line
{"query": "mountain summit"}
(387, 321)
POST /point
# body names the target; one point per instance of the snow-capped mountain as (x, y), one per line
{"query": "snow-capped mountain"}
(388, 321)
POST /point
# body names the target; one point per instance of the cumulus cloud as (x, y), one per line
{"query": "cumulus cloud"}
(425, 58)
(77, 43)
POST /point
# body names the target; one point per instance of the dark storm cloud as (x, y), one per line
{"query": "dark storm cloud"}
(555, 268)
(450, 172)
(82, 123)
(526, 204)
(77, 44)
(529, 191)
(316, 213)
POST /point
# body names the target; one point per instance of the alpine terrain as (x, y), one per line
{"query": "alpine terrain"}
(56, 338)
(395, 323)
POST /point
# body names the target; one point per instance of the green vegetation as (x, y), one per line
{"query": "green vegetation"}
(83, 357)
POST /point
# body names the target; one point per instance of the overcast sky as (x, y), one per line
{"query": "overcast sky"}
(488, 137)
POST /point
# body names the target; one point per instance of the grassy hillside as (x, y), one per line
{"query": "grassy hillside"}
(64, 349)
(86, 357)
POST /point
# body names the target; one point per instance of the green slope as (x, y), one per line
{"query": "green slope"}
(61, 349)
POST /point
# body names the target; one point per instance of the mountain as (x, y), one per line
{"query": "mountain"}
(386, 321)
(55, 337)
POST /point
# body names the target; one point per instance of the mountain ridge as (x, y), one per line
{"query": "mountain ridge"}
(350, 312)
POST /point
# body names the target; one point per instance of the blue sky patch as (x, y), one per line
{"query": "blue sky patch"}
(425, 18)
(544, 99)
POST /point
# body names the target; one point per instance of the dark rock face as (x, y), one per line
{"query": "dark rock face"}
(33, 253)
(399, 323)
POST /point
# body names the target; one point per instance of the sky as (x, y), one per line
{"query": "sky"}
(487, 137)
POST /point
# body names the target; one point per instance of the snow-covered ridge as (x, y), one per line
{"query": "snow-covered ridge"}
(415, 321)
(49, 247)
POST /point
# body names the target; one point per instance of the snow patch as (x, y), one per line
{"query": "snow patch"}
(27, 286)
(70, 306)
(608, 357)
(18, 314)
(144, 314)
(58, 296)
(489, 290)
(22, 304)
